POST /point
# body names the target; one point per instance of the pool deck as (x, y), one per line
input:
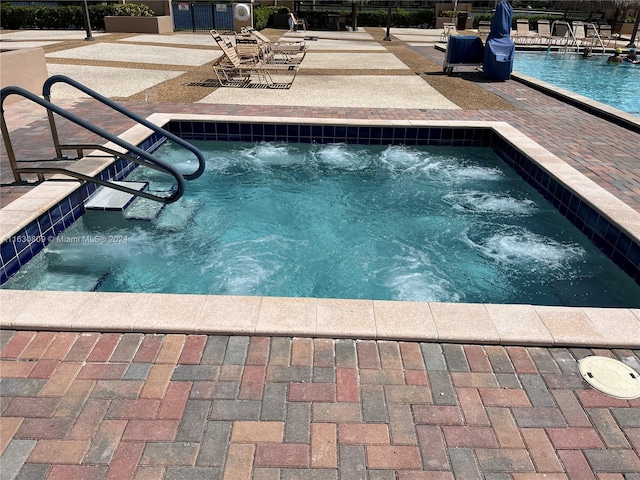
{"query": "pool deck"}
(141, 386)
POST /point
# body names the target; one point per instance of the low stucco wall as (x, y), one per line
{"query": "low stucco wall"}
(26, 68)
(162, 24)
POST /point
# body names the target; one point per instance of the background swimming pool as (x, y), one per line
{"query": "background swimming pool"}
(614, 84)
(338, 221)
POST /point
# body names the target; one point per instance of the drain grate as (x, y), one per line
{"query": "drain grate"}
(610, 377)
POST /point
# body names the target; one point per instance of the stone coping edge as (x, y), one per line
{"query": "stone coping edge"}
(503, 324)
(528, 325)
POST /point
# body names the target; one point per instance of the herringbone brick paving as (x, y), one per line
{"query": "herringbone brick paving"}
(151, 406)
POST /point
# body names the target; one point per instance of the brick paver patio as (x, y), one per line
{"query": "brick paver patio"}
(136, 406)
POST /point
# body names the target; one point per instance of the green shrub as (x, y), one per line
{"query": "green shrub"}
(14, 18)
(59, 18)
(132, 10)
(97, 14)
(261, 16)
(66, 16)
(399, 17)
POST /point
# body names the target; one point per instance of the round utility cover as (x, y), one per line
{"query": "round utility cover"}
(611, 377)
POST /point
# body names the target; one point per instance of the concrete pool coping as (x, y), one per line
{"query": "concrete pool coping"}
(612, 114)
(603, 110)
(318, 317)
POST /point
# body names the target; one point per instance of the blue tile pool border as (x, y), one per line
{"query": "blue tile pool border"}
(30, 240)
(614, 242)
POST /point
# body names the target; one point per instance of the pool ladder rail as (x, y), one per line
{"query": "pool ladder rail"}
(590, 37)
(133, 153)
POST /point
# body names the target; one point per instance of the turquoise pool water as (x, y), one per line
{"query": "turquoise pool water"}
(340, 221)
(614, 84)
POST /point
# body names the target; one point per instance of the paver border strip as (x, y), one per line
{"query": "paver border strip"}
(317, 317)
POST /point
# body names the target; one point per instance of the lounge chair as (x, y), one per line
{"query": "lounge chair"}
(543, 36)
(560, 32)
(232, 71)
(579, 34)
(249, 47)
(522, 36)
(606, 35)
(289, 51)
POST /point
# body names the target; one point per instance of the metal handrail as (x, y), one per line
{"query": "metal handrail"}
(146, 157)
(46, 92)
(571, 35)
(115, 186)
(596, 35)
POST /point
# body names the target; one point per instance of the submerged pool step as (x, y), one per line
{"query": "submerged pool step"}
(143, 209)
(110, 199)
(70, 258)
(178, 215)
(70, 282)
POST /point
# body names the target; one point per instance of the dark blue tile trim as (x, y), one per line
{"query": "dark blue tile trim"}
(616, 244)
(321, 133)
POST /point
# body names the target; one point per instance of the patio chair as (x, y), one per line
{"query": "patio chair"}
(543, 35)
(590, 30)
(249, 47)
(606, 35)
(231, 71)
(484, 28)
(579, 33)
(300, 22)
(560, 32)
(288, 51)
(522, 36)
(448, 29)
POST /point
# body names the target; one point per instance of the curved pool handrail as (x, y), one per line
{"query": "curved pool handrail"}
(46, 92)
(167, 168)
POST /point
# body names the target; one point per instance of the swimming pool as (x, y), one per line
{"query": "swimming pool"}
(614, 84)
(341, 221)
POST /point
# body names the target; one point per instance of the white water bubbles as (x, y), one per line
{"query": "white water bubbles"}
(521, 248)
(479, 202)
(419, 274)
(255, 157)
(339, 156)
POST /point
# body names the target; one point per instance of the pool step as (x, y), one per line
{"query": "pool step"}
(69, 281)
(143, 209)
(108, 199)
(178, 215)
(70, 258)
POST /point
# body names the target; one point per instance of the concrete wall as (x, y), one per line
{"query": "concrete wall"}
(26, 68)
(161, 23)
